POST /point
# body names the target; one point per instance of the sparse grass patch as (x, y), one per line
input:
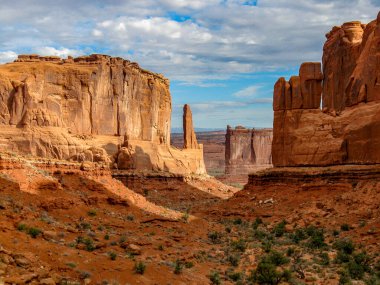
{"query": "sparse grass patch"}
(139, 267)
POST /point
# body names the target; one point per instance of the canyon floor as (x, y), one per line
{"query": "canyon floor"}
(66, 223)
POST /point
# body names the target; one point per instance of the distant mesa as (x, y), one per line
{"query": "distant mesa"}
(247, 150)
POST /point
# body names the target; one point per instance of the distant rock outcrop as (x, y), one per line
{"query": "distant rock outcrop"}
(346, 130)
(247, 150)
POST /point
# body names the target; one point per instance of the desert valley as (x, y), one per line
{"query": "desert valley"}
(96, 189)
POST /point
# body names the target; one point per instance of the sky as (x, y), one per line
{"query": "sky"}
(222, 56)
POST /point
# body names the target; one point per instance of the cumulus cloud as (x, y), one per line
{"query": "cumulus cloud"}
(7, 56)
(61, 52)
(214, 38)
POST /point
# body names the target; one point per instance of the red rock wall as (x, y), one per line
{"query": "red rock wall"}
(92, 95)
(247, 150)
(346, 130)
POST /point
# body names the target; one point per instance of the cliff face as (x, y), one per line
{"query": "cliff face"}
(247, 150)
(96, 94)
(92, 95)
(347, 129)
(85, 108)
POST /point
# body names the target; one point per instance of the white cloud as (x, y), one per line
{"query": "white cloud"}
(250, 91)
(7, 56)
(62, 52)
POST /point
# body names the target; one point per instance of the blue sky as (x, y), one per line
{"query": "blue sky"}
(221, 56)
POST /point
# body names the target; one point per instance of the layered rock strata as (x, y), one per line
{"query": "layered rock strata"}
(247, 150)
(332, 118)
(82, 108)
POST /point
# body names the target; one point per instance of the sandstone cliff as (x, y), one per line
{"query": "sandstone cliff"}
(247, 150)
(81, 108)
(347, 128)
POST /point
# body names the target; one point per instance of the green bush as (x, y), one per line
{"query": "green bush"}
(215, 278)
(266, 274)
(92, 213)
(140, 267)
(21, 227)
(34, 232)
(298, 236)
(239, 245)
(316, 239)
(355, 270)
(345, 227)
(178, 266)
(238, 221)
(344, 245)
(324, 259)
(235, 276)
(112, 255)
(234, 259)
(276, 258)
(215, 237)
(344, 278)
(257, 223)
(279, 229)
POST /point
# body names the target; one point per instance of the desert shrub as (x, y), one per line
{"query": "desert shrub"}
(238, 221)
(290, 251)
(130, 217)
(276, 258)
(140, 267)
(266, 273)
(257, 223)
(344, 245)
(298, 236)
(279, 229)
(344, 278)
(34, 232)
(355, 270)
(106, 236)
(112, 255)
(345, 227)
(342, 257)
(324, 259)
(316, 239)
(161, 247)
(235, 276)
(239, 245)
(234, 259)
(215, 278)
(215, 237)
(267, 246)
(92, 213)
(21, 227)
(178, 266)
(189, 264)
(88, 242)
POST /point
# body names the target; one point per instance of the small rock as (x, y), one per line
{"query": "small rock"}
(269, 201)
(47, 281)
(22, 261)
(50, 235)
(134, 249)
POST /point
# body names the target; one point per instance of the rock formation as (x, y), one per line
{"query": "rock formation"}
(347, 128)
(189, 138)
(247, 150)
(73, 108)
